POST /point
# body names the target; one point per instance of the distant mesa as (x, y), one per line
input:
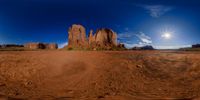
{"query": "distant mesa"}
(41, 46)
(147, 47)
(28, 46)
(196, 46)
(10, 46)
(103, 38)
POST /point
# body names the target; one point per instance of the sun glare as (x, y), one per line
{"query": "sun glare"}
(166, 35)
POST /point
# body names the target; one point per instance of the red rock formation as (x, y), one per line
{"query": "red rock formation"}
(105, 38)
(77, 36)
(41, 46)
(121, 45)
(91, 39)
(34, 46)
(52, 46)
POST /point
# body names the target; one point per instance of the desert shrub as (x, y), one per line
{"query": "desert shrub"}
(70, 48)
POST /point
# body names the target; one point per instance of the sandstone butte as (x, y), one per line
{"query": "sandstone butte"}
(103, 38)
(41, 46)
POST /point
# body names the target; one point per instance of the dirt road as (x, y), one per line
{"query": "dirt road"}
(80, 75)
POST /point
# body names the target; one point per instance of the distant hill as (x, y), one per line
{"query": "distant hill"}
(147, 47)
(195, 47)
(11, 47)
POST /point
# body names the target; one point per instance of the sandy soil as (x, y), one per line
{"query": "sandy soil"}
(94, 75)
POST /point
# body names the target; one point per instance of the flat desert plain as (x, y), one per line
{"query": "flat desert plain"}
(99, 75)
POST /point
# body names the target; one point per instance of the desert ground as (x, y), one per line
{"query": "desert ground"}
(99, 75)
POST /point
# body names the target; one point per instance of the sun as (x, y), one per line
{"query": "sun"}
(166, 35)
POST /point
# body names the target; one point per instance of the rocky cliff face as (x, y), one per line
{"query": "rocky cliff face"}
(91, 38)
(103, 38)
(77, 36)
(52, 46)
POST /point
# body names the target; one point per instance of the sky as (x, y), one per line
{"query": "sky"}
(164, 24)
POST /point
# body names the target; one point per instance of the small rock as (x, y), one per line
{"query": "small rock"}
(28, 83)
(2, 84)
(100, 96)
(139, 66)
(94, 49)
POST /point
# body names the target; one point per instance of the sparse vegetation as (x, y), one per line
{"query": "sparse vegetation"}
(13, 49)
(189, 49)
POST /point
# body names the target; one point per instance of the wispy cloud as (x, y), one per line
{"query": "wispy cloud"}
(61, 45)
(127, 39)
(126, 35)
(144, 38)
(156, 11)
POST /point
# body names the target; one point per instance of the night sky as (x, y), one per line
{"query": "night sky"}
(165, 24)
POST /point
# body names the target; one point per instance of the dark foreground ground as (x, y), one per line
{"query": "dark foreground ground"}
(91, 75)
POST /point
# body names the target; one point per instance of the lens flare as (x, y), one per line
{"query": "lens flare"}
(166, 35)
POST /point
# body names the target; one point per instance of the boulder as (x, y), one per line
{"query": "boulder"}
(77, 36)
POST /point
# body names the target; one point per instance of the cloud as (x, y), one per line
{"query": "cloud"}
(156, 11)
(130, 45)
(126, 35)
(127, 39)
(61, 45)
(171, 47)
(144, 38)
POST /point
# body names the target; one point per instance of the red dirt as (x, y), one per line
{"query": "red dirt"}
(121, 75)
